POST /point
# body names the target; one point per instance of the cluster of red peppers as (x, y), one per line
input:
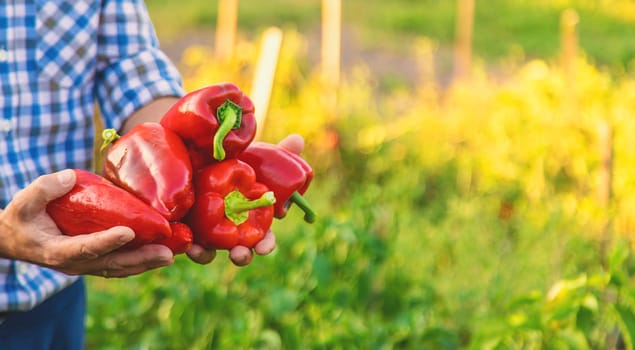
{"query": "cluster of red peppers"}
(197, 176)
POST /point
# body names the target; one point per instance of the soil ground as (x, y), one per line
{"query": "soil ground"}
(387, 65)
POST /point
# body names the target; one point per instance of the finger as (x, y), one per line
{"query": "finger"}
(33, 199)
(124, 272)
(120, 273)
(293, 143)
(93, 245)
(126, 263)
(200, 255)
(127, 272)
(267, 244)
(240, 255)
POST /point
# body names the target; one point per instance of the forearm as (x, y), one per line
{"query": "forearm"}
(151, 112)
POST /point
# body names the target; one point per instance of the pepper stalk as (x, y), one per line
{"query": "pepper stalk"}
(229, 116)
(297, 199)
(109, 136)
(237, 206)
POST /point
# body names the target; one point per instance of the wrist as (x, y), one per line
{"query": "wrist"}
(6, 232)
(152, 112)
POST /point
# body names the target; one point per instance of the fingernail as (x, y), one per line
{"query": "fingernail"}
(243, 260)
(65, 177)
(166, 257)
(166, 260)
(126, 236)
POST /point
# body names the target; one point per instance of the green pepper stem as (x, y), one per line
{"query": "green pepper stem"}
(229, 117)
(237, 206)
(109, 136)
(297, 199)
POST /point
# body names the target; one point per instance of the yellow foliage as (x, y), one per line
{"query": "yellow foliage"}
(531, 132)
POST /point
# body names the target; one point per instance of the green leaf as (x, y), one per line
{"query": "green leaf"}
(627, 323)
(616, 259)
(572, 340)
(584, 319)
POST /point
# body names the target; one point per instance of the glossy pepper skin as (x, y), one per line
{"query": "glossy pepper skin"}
(95, 204)
(215, 122)
(152, 163)
(181, 239)
(285, 173)
(231, 208)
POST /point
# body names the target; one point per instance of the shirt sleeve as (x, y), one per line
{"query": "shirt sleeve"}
(132, 71)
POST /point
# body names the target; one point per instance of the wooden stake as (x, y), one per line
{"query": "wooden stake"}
(463, 44)
(568, 55)
(605, 132)
(331, 41)
(226, 29)
(264, 75)
(569, 43)
(606, 156)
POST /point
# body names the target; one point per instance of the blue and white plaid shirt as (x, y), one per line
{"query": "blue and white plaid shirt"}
(57, 58)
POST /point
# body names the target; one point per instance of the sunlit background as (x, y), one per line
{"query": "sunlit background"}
(475, 179)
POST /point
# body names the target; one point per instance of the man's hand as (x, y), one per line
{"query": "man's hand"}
(241, 255)
(29, 234)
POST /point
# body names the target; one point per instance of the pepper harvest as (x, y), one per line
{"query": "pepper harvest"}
(196, 177)
(284, 172)
(231, 208)
(96, 204)
(215, 122)
(152, 163)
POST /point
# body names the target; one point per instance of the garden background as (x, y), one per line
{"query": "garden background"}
(474, 179)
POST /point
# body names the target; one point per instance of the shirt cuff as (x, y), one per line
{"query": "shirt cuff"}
(131, 83)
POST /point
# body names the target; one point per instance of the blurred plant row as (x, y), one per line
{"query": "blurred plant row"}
(472, 215)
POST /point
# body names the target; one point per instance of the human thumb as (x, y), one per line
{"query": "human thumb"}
(66, 181)
(34, 198)
(293, 143)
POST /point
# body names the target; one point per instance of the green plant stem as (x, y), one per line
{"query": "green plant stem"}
(229, 117)
(237, 206)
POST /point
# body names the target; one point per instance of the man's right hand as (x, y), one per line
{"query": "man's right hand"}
(29, 234)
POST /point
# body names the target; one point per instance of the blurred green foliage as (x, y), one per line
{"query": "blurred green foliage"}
(502, 28)
(465, 216)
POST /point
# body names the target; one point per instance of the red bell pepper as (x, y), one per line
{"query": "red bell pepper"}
(231, 208)
(181, 239)
(152, 163)
(95, 204)
(215, 122)
(285, 173)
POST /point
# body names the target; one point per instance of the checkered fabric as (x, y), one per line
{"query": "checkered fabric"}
(57, 59)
